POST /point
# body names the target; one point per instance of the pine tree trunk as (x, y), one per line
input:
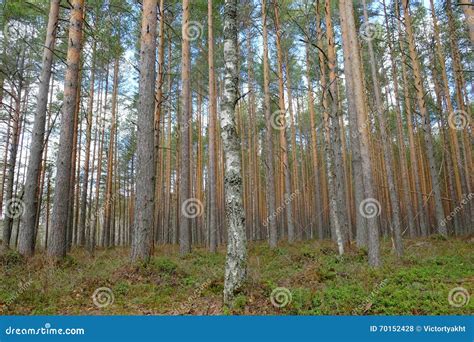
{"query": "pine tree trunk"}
(85, 182)
(287, 203)
(386, 146)
(401, 141)
(294, 160)
(167, 202)
(74, 162)
(142, 243)
(26, 243)
(158, 111)
(411, 138)
(433, 171)
(184, 122)
(270, 222)
(356, 158)
(463, 105)
(331, 135)
(314, 152)
(453, 144)
(57, 236)
(212, 136)
(352, 61)
(468, 9)
(109, 199)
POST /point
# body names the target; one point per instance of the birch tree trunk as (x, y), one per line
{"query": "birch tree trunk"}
(12, 203)
(236, 260)
(142, 237)
(26, 243)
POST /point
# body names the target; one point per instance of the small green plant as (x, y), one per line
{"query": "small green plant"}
(240, 301)
(10, 258)
(122, 288)
(165, 265)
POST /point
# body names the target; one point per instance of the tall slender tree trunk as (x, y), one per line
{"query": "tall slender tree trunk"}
(159, 109)
(212, 135)
(463, 104)
(57, 236)
(439, 212)
(142, 243)
(74, 161)
(5, 159)
(270, 176)
(283, 140)
(387, 148)
(401, 141)
(355, 139)
(85, 182)
(314, 151)
(109, 197)
(236, 260)
(421, 214)
(185, 120)
(294, 160)
(468, 9)
(101, 117)
(167, 202)
(12, 203)
(352, 61)
(331, 134)
(453, 144)
(26, 243)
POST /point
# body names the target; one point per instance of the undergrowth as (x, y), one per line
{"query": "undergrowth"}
(319, 282)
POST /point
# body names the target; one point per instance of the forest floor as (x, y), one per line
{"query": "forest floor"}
(318, 281)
